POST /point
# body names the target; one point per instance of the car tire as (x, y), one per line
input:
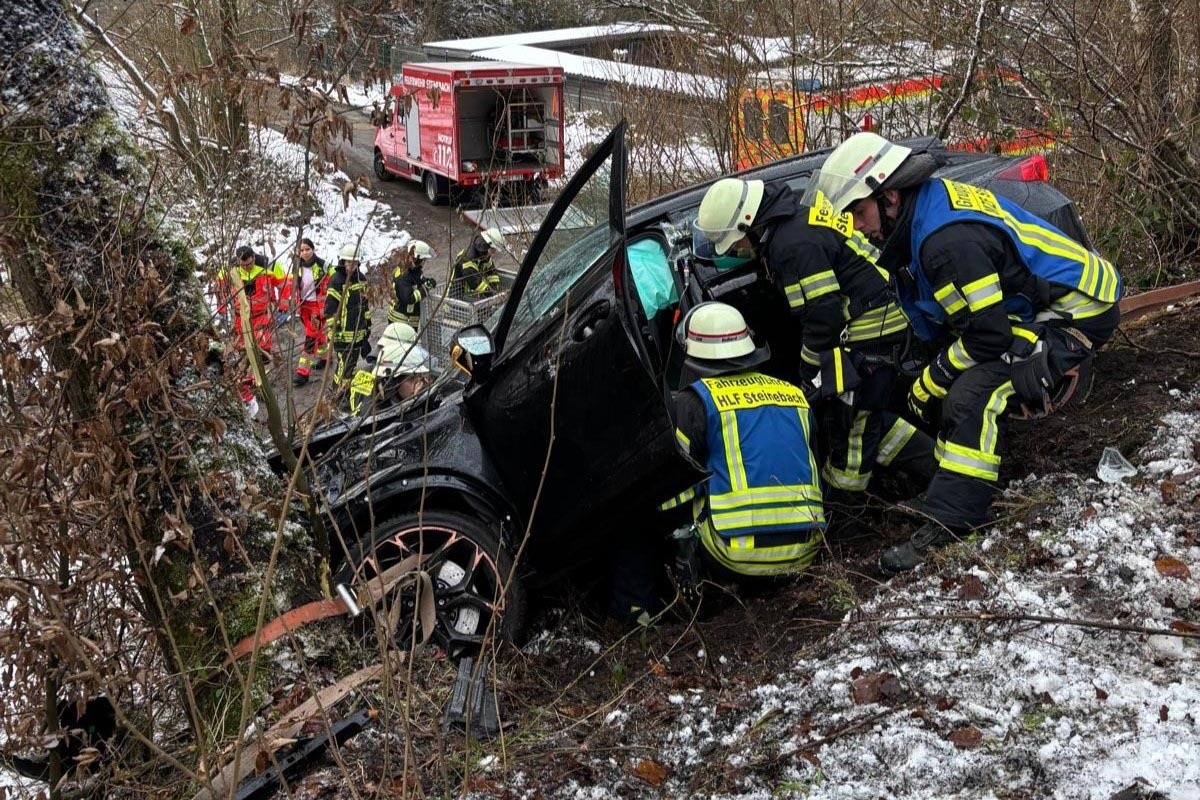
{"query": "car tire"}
(436, 189)
(380, 170)
(468, 567)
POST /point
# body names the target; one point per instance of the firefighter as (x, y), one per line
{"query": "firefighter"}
(474, 274)
(402, 370)
(759, 515)
(411, 286)
(852, 332)
(261, 283)
(348, 314)
(307, 289)
(1015, 307)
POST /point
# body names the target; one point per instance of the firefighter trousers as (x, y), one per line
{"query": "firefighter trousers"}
(867, 434)
(974, 421)
(316, 344)
(347, 355)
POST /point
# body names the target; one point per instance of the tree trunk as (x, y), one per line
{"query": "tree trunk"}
(142, 450)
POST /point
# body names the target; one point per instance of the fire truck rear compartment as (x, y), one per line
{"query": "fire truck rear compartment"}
(508, 126)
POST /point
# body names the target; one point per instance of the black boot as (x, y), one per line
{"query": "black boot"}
(911, 554)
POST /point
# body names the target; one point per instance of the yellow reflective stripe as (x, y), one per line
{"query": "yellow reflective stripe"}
(851, 477)
(958, 356)
(859, 244)
(839, 379)
(894, 441)
(797, 493)
(966, 461)
(678, 500)
(930, 386)
(983, 293)
(950, 299)
(1078, 305)
(809, 356)
(795, 295)
(818, 285)
(760, 561)
(682, 438)
(989, 433)
(806, 427)
(733, 453)
(1025, 334)
(798, 515)
(877, 323)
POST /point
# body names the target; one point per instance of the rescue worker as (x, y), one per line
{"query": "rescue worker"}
(1015, 307)
(308, 289)
(261, 283)
(852, 332)
(402, 370)
(410, 285)
(348, 314)
(474, 274)
(759, 515)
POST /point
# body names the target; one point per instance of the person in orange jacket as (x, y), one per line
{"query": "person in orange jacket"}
(261, 283)
(307, 291)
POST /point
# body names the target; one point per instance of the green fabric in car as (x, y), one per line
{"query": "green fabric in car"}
(651, 272)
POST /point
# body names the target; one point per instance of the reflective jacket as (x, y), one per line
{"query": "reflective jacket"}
(346, 308)
(764, 476)
(474, 273)
(295, 288)
(1069, 282)
(261, 283)
(407, 294)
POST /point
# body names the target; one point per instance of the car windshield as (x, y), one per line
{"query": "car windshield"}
(579, 239)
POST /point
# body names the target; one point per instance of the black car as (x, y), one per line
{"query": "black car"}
(561, 432)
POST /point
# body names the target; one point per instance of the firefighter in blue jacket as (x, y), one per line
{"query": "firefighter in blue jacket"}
(760, 513)
(851, 330)
(1015, 307)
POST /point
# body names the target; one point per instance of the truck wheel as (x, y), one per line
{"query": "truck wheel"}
(380, 170)
(468, 566)
(436, 188)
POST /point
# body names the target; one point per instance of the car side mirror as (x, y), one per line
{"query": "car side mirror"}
(472, 350)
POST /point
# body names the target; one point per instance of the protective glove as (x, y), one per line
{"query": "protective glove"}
(922, 393)
(686, 567)
(428, 283)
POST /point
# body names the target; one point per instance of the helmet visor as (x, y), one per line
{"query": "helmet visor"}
(705, 250)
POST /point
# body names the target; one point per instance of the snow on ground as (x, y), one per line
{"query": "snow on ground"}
(1060, 710)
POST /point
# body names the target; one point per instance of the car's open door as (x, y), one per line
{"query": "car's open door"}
(576, 424)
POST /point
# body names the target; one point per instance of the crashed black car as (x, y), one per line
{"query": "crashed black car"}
(561, 432)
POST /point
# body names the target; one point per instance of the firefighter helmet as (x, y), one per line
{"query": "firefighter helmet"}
(399, 353)
(421, 251)
(858, 168)
(727, 211)
(349, 252)
(715, 331)
(493, 237)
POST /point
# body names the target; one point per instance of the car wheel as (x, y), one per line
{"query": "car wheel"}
(380, 170)
(434, 189)
(468, 567)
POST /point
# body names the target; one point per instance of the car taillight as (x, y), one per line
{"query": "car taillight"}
(1033, 168)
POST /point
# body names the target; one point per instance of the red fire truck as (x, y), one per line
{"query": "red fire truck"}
(472, 125)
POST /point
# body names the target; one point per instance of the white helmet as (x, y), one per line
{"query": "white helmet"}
(399, 353)
(493, 237)
(727, 212)
(421, 251)
(858, 168)
(716, 331)
(349, 252)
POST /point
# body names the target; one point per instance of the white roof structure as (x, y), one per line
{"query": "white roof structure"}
(558, 36)
(609, 71)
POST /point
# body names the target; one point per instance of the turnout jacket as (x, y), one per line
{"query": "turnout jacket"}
(752, 432)
(346, 307)
(983, 272)
(407, 296)
(827, 271)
